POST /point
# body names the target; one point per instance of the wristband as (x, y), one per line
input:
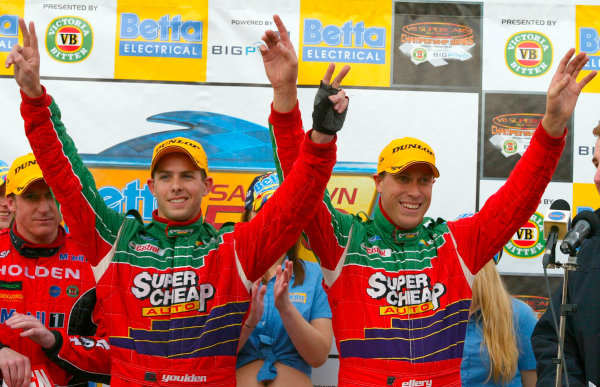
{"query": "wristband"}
(249, 326)
(325, 119)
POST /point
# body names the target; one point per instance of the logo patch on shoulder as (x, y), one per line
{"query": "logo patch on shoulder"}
(299, 298)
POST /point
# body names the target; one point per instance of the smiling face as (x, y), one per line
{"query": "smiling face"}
(179, 187)
(6, 215)
(36, 214)
(406, 196)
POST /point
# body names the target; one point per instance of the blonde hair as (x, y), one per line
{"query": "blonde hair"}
(490, 295)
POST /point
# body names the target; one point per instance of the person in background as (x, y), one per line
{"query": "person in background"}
(46, 282)
(6, 215)
(582, 329)
(497, 350)
(289, 328)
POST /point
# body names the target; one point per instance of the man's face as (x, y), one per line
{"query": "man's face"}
(6, 215)
(36, 214)
(596, 161)
(406, 196)
(178, 187)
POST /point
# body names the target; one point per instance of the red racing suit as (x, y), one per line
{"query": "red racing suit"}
(400, 299)
(175, 295)
(54, 283)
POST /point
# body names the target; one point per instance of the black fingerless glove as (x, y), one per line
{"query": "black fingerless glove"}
(325, 119)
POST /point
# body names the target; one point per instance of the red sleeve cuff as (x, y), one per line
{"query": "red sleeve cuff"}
(284, 119)
(41, 101)
(547, 140)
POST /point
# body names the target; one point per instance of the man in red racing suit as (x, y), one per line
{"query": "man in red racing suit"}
(46, 282)
(399, 285)
(176, 291)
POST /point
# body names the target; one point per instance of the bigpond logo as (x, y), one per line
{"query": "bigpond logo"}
(350, 42)
(529, 53)
(165, 37)
(69, 39)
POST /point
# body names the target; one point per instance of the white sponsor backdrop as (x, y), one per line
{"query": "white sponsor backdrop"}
(100, 112)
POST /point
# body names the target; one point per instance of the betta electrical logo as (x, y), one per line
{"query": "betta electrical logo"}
(166, 37)
(529, 53)
(69, 39)
(9, 32)
(528, 241)
(511, 133)
(349, 43)
(436, 42)
(589, 42)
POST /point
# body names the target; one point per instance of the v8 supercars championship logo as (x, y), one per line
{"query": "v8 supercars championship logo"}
(69, 39)
(529, 53)
(511, 133)
(436, 42)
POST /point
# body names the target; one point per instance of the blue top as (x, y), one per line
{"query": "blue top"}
(475, 368)
(269, 340)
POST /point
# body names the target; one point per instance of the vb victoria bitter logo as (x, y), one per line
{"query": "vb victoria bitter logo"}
(69, 39)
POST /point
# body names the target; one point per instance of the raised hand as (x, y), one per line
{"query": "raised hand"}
(257, 306)
(281, 66)
(564, 91)
(32, 328)
(281, 292)
(26, 61)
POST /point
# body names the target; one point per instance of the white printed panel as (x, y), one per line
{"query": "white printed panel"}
(524, 43)
(76, 38)
(234, 35)
(524, 254)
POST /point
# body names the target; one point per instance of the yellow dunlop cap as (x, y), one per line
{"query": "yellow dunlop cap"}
(180, 145)
(23, 171)
(404, 152)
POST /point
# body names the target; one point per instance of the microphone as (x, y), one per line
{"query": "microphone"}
(585, 225)
(556, 225)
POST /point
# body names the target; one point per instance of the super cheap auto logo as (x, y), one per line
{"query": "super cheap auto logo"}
(165, 37)
(350, 42)
(171, 293)
(69, 39)
(528, 241)
(9, 32)
(529, 53)
(436, 42)
(511, 133)
(405, 294)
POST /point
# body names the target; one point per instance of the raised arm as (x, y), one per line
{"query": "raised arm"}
(479, 237)
(92, 224)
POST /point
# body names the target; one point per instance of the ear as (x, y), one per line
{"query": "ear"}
(150, 184)
(378, 182)
(208, 185)
(12, 203)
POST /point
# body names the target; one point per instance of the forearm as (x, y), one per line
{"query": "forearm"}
(312, 342)
(285, 98)
(246, 332)
(528, 378)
